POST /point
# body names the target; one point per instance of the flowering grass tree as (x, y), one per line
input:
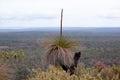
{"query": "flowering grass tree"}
(59, 50)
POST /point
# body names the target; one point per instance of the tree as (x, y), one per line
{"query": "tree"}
(58, 52)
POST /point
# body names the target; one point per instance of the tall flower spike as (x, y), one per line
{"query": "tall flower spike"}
(61, 23)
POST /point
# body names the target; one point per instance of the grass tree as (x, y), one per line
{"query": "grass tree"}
(58, 52)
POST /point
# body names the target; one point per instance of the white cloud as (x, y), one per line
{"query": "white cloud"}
(83, 13)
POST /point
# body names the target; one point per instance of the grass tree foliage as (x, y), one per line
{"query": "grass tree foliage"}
(59, 52)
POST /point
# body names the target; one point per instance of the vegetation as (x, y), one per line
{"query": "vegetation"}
(12, 54)
(59, 53)
(95, 46)
(82, 73)
(7, 70)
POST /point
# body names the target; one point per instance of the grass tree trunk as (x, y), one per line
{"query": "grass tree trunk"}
(61, 23)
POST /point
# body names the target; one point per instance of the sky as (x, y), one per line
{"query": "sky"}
(46, 13)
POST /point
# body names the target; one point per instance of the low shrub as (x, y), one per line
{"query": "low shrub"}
(82, 73)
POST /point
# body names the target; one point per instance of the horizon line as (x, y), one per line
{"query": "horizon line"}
(63, 27)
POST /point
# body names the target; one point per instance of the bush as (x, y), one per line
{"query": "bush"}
(6, 72)
(82, 73)
(52, 73)
(8, 68)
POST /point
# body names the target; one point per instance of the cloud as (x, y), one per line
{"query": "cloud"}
(27, 18)
(111, 14)
(47, 12)
(109, 17)
(112, 17)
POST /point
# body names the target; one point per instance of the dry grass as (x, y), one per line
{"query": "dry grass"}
(57, 55)
(6, 72)
(6, 68)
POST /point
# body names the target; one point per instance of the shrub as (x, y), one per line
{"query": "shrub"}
(8, 64)
(81, 73)
(6, 72)
(52, 73)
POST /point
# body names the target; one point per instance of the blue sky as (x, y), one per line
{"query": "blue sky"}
(46, 13)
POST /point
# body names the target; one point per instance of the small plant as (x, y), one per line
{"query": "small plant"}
(12, 55)
(116, 70)
(99, 65)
